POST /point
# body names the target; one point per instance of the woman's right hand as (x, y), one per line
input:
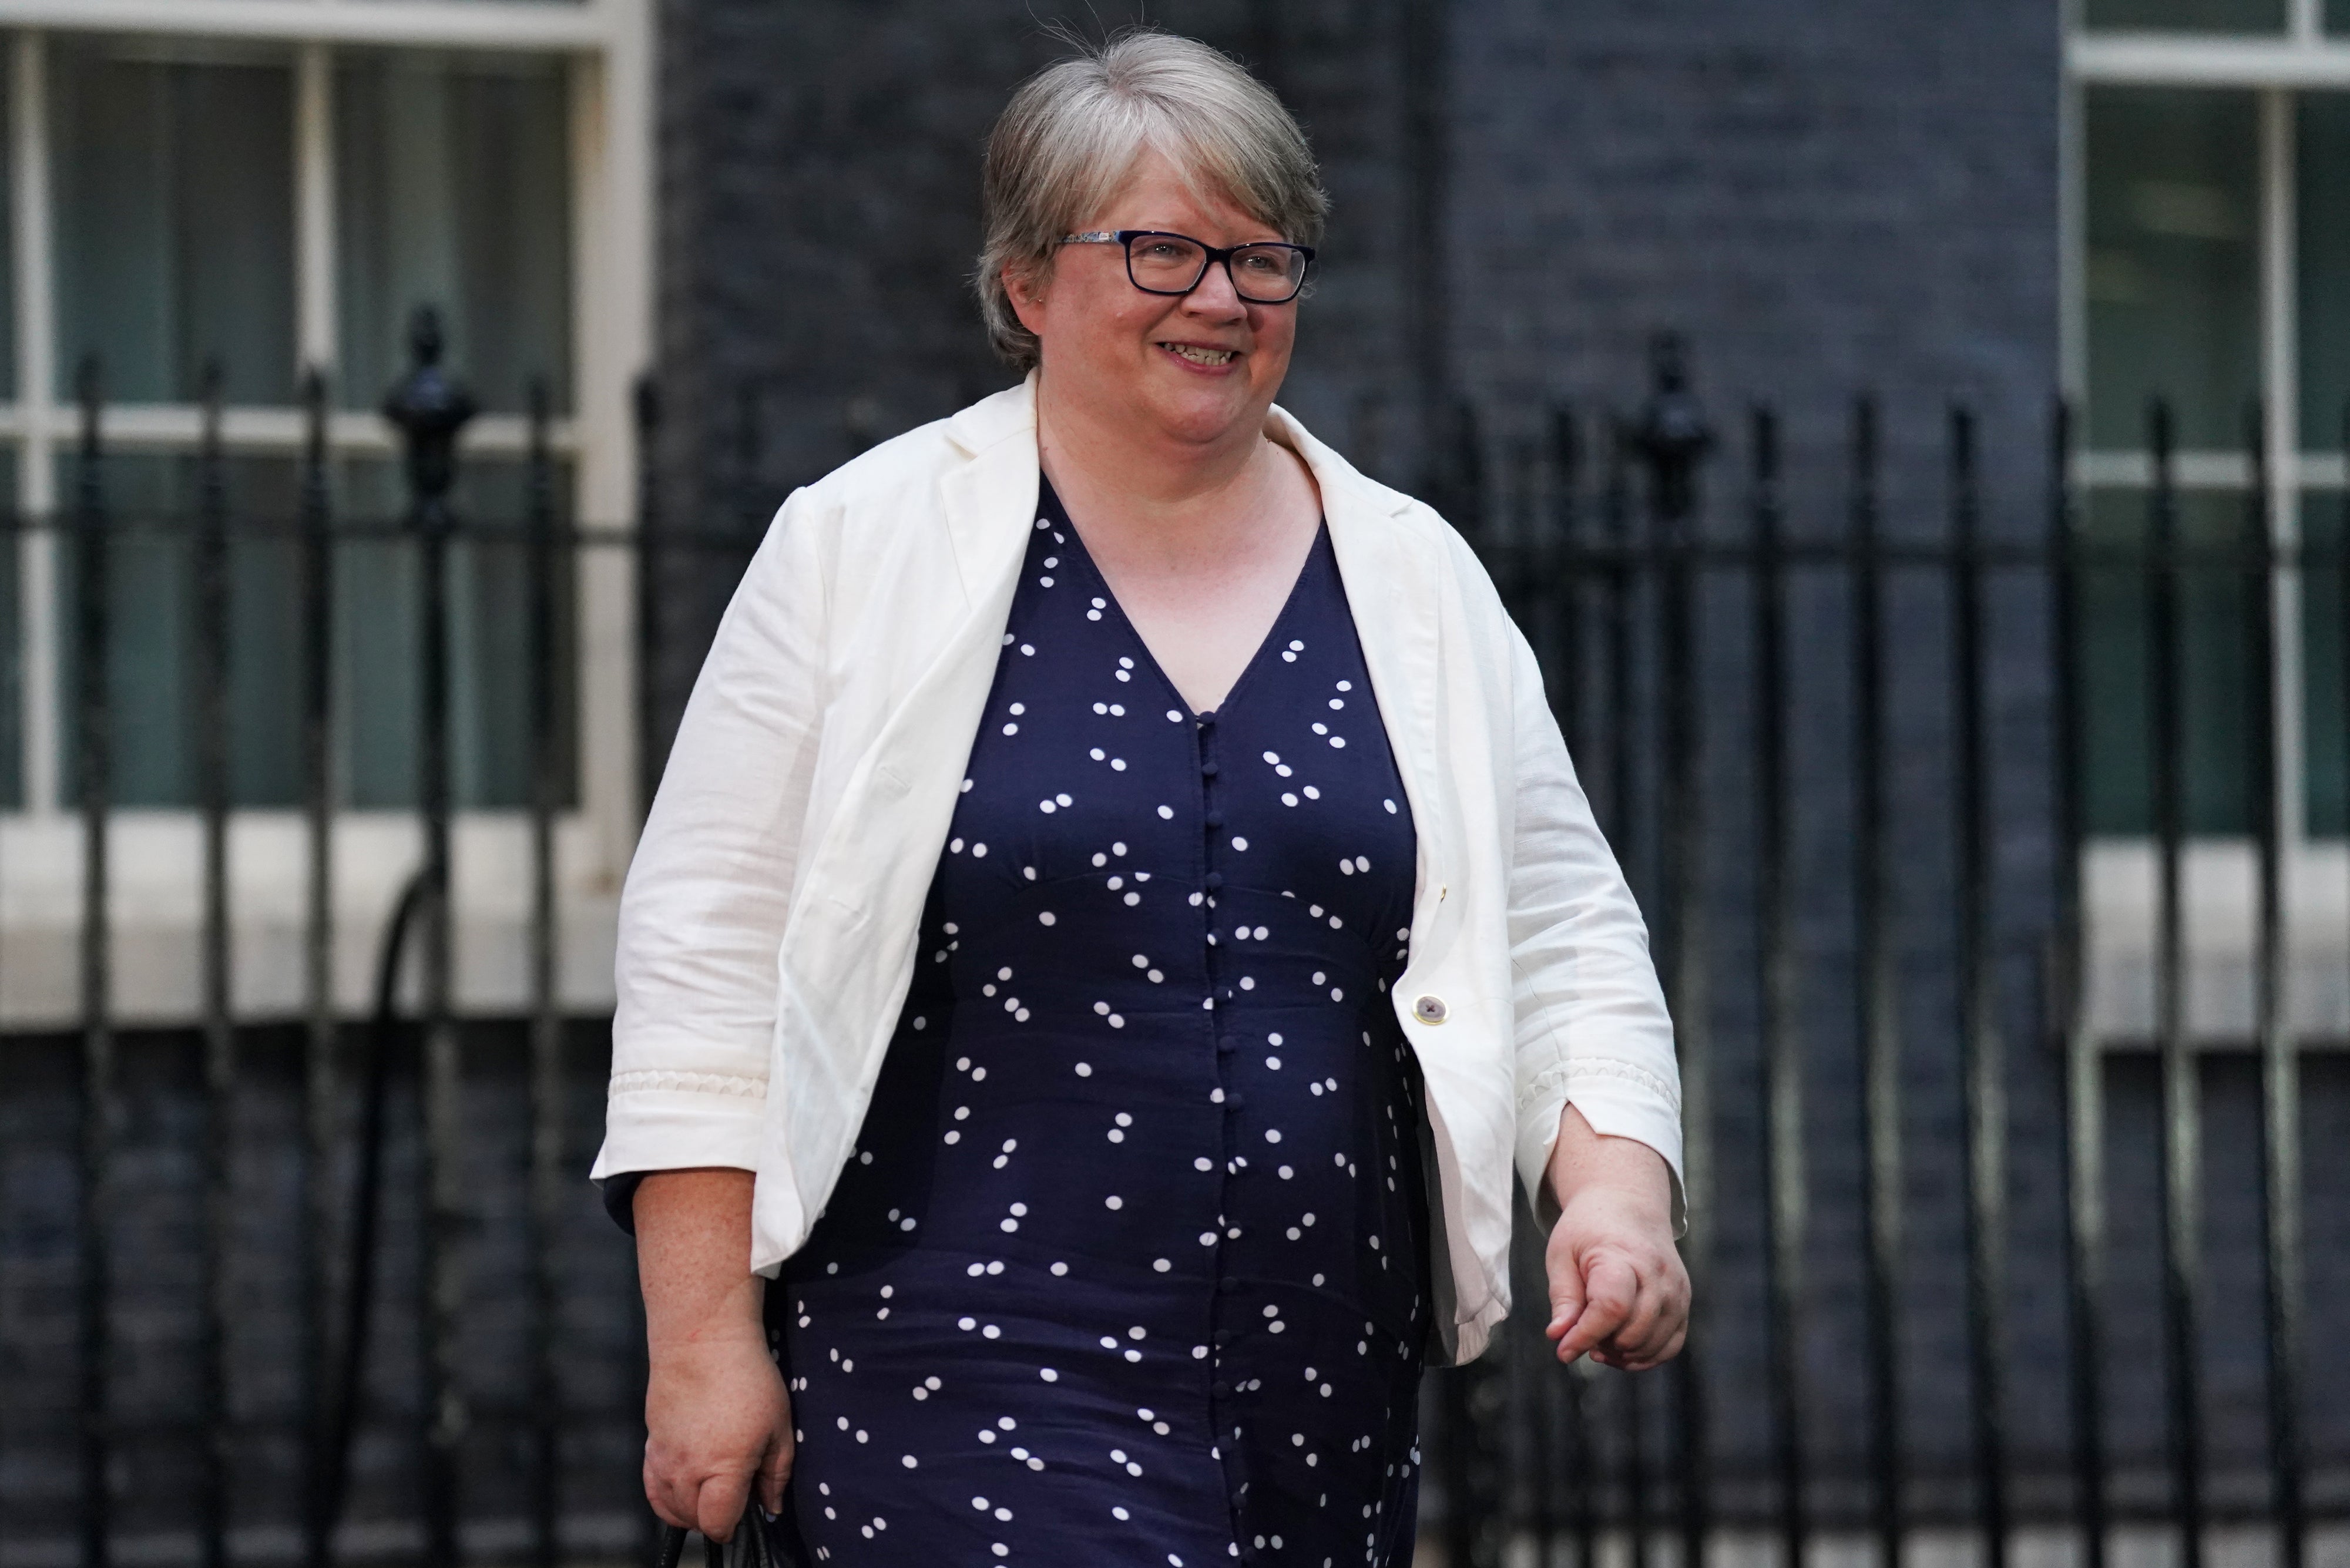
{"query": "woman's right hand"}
(718, 1423)
(718, 1420)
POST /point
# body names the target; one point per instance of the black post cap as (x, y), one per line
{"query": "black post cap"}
(1672, 433)
(429, 407)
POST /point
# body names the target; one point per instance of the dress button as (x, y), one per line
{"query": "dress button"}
(1215, 819)
(1208, 769)
(1215, 880)
(1428, 1010)
(1234, 1102)
(1224, 1046)
(1222, 1336)
(1221, 1389)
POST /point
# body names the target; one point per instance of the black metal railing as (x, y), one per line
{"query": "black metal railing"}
(1848, 766)
(1970, 1257)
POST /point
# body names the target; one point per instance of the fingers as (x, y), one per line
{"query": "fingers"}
(1610, 1289)
(1657, 1328)
(775, 1470)
(1565, 1291)
(666, 1502)
(719, 1505)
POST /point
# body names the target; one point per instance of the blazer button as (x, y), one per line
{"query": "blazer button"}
(1428, 1010)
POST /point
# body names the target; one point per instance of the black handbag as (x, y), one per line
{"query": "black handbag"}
(757, 1544)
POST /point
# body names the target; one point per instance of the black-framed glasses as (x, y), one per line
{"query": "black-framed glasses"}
(1268, 271)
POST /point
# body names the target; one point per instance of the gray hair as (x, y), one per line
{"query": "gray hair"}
(1072, 132)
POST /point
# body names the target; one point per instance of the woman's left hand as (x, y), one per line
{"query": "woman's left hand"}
(1618, 1289)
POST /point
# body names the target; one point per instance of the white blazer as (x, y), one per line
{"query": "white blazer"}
(768, 926)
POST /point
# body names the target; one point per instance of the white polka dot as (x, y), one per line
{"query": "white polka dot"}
(1113, 1201)
(908, 1461)
(1046, 917)
(1167, 813)
(1048, 1375)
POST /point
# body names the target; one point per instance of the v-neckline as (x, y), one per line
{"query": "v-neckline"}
(1134, 633)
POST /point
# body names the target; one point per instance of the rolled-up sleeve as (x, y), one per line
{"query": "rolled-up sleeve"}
(704, 909)
(1592, 1029)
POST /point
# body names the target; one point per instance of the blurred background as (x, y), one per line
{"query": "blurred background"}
(1913, 437)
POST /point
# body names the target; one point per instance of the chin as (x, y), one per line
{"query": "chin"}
(1202, 410)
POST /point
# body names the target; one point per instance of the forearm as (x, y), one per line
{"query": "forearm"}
(1630, 1171)
(693, 1259)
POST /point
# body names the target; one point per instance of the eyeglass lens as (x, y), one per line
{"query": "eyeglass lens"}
(1168, 264)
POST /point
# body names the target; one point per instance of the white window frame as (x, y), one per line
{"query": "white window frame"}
(2119, 874)
(607, 47)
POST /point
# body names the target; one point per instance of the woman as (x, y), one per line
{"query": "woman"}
(1117, 905)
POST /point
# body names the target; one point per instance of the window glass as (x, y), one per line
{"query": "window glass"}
(453, 181)
(2117, 672)
(173, 186)
(8, 265)
(2172, 274)
(2326, 661)
(2189, 15)
(2323, 217)
(2337, 15)
(150, 500)
(377, 586)
(12, 650)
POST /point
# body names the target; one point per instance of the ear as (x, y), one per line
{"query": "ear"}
(1024, 285)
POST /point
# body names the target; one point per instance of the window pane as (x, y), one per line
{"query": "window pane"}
(2189, 15)
(175, 212)
(2337, 15)
(453, 185)
(378, 640)
(2118, 677)
(2324, 222)
(2172, 273)
(2325, 660)
(12, 649)
(151, 609)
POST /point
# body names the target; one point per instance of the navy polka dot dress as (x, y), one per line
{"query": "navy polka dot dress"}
(1129, 1265)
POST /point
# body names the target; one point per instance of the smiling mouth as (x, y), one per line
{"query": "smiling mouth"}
(1199, 356)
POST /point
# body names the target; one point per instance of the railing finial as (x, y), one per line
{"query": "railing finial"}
(429, 407)
(1672, 433)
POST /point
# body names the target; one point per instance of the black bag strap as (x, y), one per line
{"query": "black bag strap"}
(757, 1544)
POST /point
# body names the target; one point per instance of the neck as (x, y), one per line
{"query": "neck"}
(1144, 486)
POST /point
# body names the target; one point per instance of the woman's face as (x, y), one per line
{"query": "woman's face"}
(1195, 369)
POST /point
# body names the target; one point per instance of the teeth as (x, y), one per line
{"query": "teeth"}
(1200, 356)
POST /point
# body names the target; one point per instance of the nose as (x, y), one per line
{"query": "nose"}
(1215, 295)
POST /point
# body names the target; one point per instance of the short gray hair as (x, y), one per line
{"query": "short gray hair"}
(1072, 132)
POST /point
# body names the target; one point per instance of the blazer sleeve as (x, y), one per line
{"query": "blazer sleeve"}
(702, 912)
(1592, 1029)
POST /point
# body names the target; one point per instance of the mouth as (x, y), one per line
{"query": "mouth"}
(1207, 358)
